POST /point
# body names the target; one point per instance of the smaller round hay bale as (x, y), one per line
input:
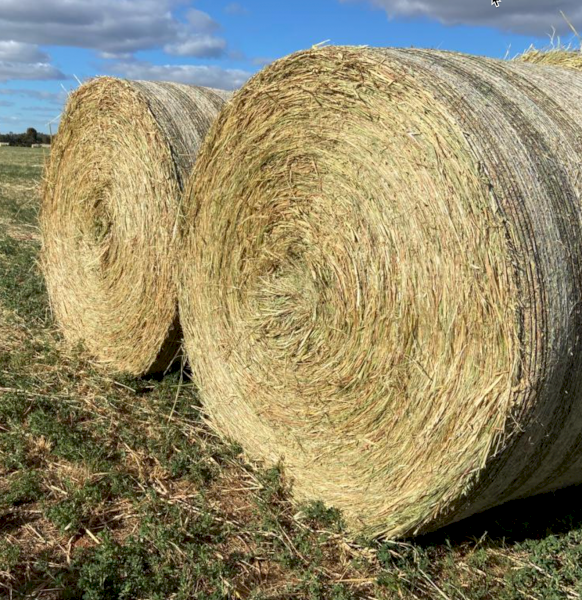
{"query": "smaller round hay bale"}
(110, 216)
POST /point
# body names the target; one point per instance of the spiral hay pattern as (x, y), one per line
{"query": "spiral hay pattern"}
(110, 216)
(381, 284)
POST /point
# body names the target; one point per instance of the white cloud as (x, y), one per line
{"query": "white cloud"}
(116, 55)
(197, 41)
(19, 60)
(234, 8)
(198, 46)
(202, 21)
(52, 97)
(114, 27)
(209, 76)
(25, 71)
(11, 51)
(528, 17)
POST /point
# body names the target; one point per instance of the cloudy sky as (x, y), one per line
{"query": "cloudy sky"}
(47, 46)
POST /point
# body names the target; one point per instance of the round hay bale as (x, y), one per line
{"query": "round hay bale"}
(557, 57)
(382, 281)
(110, 215)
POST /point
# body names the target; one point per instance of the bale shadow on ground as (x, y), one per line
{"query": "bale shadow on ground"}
(534, 518)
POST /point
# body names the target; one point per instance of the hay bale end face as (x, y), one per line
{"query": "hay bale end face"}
(382, 280)
(110, 216)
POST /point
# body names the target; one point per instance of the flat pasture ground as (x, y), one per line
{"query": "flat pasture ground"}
(115, 488)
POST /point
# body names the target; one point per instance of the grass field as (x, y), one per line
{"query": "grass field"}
(114, 488)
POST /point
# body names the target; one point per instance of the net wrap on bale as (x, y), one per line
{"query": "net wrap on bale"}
(381, 283)
(110, 215)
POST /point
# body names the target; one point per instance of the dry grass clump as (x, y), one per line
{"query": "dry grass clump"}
(564, 57)
(381, 281)
(110, 215)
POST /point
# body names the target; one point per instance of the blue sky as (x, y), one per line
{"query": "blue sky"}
(46, 45)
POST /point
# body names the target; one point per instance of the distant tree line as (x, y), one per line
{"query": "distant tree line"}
(32, 136)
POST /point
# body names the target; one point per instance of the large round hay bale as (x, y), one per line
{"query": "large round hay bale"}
(110, 216)
(382, 282)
